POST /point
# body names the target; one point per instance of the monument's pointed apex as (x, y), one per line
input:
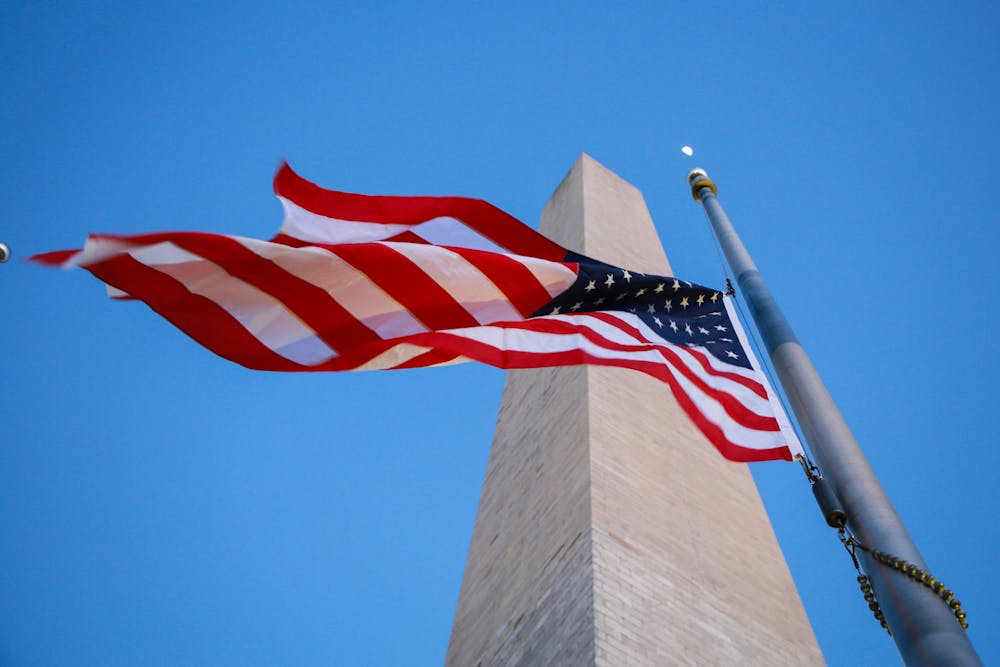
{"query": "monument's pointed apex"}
(596, 212)
(587, 157)
(585, 163)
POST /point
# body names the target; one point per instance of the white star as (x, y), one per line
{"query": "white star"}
(728, 340)
(703, 330)
(651, 309)
(590, 285)
(578, 304)
(677, 284)
(715, 295)
(555, 311)
(599, 301)
(687, 330)
(684, 303)
(621, 296)
(701, 299)
(673, 325)
(659, 288)
(732, 355)
(627, 276)
(658, 322)
(721, 328)
(610, 281)
(641, 292)
(669, 305)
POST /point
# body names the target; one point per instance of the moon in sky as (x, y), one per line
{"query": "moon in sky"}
(687, 150)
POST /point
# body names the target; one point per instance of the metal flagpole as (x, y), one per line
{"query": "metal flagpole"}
(923, 626)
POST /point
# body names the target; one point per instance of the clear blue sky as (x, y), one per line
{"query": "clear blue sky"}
(161, 506)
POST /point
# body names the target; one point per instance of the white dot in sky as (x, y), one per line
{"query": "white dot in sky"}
(687, 150)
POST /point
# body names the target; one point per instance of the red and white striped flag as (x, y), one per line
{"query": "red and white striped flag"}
(355, 282)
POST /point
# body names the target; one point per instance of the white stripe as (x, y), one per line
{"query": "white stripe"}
(734, 432)
(115, 293)
(454, 232)
(266, 318)
(652, 337)
(352, 289)
(394, 356)
(543, 342)
(555, 277)
(452, 362)
(311, 227)
(690, 358)
(98, 249)
(752, 401)
(466, 284)
(301, 223)
(784, 423)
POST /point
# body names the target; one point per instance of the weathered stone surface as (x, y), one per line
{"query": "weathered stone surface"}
(609, 532)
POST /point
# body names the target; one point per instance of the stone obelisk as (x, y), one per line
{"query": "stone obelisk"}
(609, 531)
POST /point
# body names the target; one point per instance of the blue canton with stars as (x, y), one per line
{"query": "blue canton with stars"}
(680, 312)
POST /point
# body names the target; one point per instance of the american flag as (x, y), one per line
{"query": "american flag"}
(357, 282)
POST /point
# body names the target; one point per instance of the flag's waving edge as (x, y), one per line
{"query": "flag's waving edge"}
(792, 441)
(353, 282)
(314, 215)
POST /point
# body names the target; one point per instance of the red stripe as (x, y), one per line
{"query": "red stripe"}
(199, 317)
(733, 407)
(407, 283)
(500, 227)
(702, 360)
(665, 371)
(408, 237)
(403, 237)
(364, 354)
(55, 258)
(713, 432)
(511, 277)
(508, 359)
(430, 358)
(311, 304)
(211, 326)
(285, 239)
(357, 356)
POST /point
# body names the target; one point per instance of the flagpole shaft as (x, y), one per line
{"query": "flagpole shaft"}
(922, 625)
